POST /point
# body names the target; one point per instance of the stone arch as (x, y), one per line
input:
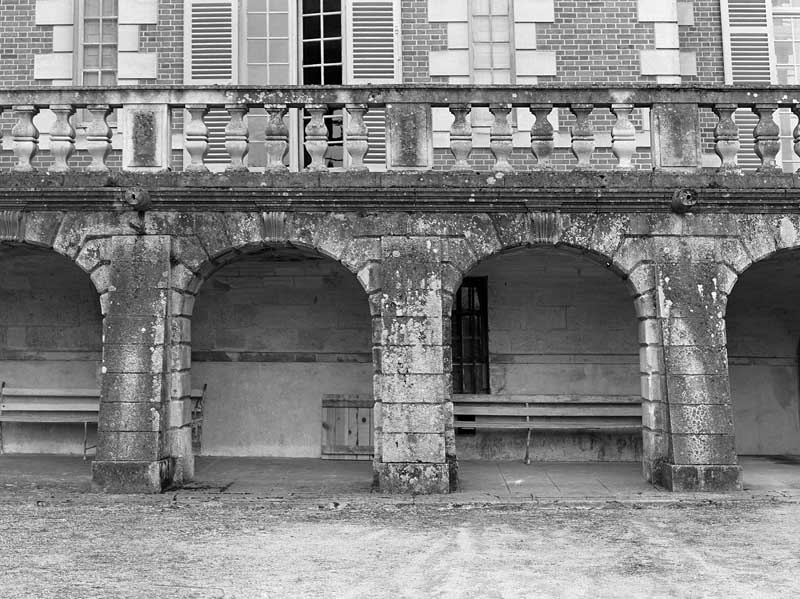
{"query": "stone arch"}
(761, 324)
(58, 336)
(604, 239)
(196, 260)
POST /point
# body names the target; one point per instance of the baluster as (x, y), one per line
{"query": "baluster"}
(767, 136)
(726, 137)
(195, 135)
(500, 138)
(98, 137)
(357, 137)
(623, 136)
(796, 132)
(582, 134)
(277, 137)
(317, 137)
(461, 136)
(542, 135)
(25, 136)
(236, 137)
(62, 137)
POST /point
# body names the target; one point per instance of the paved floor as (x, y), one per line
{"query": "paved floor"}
(489, 481)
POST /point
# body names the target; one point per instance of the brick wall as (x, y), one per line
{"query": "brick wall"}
(270, 337)
(419, 38)
(705, 38)
(21, 41)
(166, 38)
(596, 41)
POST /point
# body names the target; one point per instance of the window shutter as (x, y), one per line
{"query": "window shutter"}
(373, 47)
(211, 60)
(749, 58)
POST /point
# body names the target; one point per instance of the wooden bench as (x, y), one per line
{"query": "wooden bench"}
(65, 406)
(51, 405)
(579, 413)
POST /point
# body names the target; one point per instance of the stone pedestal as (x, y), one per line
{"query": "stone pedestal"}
(130, 455)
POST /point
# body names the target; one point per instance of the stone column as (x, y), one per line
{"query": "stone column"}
(691, 308)
(130, 454)
(410, 379)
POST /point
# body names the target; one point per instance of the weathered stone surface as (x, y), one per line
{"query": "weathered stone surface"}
(209, 227)
(654, 416)
(413, 447)
(701, 419)
(412, 360)
(410, 388)
(41, 228)
(696, 360)
(607, 235)
(654, 387)
(127, 477)
(711, 478)
(139, 330)
(695, 331)
(137, 416)
(698, 389)
(630, 255)
(676, 131)
(411, 330)
(133, 359)
(416, 479)
(127, 445)
(412, 417)
(703, 449)
(131, 387)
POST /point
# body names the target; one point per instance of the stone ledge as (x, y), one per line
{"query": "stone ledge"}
(705, 478)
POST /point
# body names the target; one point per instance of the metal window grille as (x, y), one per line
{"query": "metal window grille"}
(470, 340)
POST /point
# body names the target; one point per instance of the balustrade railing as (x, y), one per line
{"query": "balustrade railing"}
(676, 135)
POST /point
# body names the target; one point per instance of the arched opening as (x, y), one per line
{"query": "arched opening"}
(51, 340)
(763, 329)
(545, 340)
(282, 338)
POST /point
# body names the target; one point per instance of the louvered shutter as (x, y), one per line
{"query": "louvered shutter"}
(747, 50)
(373, 49)
(211, 60)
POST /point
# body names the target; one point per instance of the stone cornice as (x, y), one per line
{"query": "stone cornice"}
(576, 192)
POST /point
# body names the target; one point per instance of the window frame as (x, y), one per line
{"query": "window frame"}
(481, 287)
(79, 31)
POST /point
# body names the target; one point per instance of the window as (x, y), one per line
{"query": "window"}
(469, 337)
(786, 36)
(98, 47)
(321, 64)
(491, 41)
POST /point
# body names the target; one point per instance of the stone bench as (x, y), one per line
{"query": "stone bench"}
(580, 413)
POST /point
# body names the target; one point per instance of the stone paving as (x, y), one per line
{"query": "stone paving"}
(481, 482)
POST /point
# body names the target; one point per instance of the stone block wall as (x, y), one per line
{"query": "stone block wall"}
(50, 328)
(271, 334)
(763, 330)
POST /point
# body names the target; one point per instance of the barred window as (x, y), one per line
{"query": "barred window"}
(469, 337)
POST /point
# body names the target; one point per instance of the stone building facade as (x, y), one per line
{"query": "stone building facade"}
(351, 219)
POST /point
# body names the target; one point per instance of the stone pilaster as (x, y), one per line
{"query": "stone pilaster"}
(691, 306)
(130, 452)
(410, 379)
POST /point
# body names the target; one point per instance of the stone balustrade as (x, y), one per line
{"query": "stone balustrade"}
(146, 124)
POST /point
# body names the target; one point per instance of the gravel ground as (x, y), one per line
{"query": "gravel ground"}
(69, 544)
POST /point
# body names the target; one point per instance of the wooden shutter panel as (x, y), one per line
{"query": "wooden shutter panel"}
(373, 48)
(211, 60)
(749, 58)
